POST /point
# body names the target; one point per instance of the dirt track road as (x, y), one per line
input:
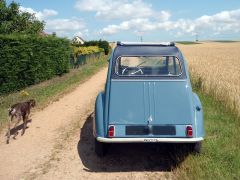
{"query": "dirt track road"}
(59, 145)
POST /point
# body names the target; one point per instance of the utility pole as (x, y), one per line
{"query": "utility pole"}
(140, 34)
(196, 37)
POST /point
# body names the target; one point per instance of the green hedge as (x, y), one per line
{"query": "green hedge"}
(27, 60)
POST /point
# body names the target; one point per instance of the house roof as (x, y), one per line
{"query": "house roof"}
(78, 37)
(43, 34)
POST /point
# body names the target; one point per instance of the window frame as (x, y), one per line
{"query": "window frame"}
(134, 76)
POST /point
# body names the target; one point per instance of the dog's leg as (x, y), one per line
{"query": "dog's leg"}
(27, 118)
(18, 121)
(9, 129)
(24, 124)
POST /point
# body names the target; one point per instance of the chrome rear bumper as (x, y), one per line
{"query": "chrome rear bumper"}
(149, 140)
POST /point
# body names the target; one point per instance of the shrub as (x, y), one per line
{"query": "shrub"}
(105, 46)
(27, 60)
(86, 50)
(101, 44)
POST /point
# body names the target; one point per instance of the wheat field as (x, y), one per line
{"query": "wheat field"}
(215, 67)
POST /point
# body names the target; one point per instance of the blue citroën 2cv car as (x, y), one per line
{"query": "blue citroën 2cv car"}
(148, 98)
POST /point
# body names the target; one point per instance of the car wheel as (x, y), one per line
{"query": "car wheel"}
(100, 148)
(196, 147)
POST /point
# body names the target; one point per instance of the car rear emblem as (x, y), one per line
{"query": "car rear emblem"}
(150, 119)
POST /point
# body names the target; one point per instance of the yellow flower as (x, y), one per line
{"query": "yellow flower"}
(24, 93)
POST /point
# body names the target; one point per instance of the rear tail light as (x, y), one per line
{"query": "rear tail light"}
(111, 131)
(189, 131)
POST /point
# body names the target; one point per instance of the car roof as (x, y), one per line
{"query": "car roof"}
(146, 48)
(119, 43)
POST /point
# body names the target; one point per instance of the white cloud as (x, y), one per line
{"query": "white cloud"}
(164, 15)
(41, 15)
(220, 22)
(225, 21)
(138, 17)
(120, 9)
(62, 26)
(139, 24)
(72, 24)
(66, 27)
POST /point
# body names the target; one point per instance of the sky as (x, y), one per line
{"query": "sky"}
(131, 20)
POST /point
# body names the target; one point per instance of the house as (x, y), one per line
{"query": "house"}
(77, 40)
(44, 34)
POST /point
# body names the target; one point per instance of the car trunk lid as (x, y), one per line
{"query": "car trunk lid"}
(136, 102)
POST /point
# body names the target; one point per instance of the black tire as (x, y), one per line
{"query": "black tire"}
(196, 147)
(100, 148)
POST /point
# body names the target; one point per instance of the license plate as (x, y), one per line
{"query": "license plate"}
(150, 140)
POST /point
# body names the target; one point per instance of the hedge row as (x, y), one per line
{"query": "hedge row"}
(27, 60)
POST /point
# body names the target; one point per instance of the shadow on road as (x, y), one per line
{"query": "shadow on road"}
(18, 128)
(129, 157)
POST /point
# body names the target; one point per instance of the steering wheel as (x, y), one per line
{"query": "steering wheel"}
(125, 70)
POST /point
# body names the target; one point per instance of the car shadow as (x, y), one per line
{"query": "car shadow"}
(129, 157)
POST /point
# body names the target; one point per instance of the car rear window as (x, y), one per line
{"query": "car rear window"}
(148, 66)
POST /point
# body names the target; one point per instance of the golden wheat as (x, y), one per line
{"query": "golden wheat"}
(218, 67)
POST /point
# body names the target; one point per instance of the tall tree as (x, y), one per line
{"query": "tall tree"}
(12, 20)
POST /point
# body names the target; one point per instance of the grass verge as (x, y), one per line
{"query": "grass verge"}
(51, 90)
(220, 157)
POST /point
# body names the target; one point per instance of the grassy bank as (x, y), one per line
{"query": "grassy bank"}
(220, 157)
(50, 90)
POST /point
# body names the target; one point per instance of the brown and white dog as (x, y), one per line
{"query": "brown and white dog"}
(19, 111)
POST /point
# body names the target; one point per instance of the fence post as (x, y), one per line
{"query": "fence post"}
(72, 61)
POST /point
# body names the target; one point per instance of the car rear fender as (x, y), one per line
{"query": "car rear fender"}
(198, 116)
(98, 123)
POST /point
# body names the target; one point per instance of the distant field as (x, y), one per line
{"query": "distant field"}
(216, 68)
(226, 41)
(187, 42)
